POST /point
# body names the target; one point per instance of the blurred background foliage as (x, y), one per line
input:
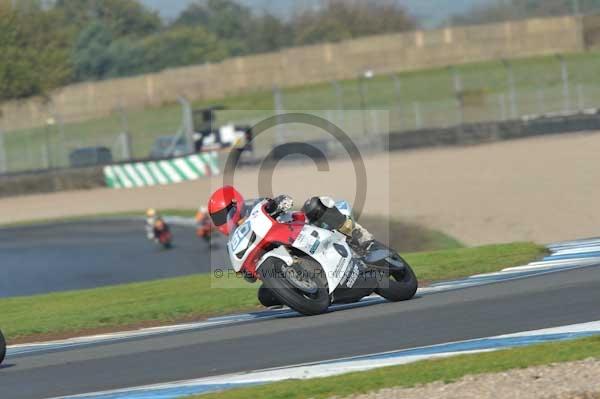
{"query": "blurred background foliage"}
(46, 44)
(50, 43)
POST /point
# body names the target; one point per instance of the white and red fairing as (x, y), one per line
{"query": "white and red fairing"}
(261, 237)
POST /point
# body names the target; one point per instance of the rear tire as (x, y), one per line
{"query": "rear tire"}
(2, 347)
(274, 280)
(402, 285)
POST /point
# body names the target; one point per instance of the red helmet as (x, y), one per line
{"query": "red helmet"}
(225, 207)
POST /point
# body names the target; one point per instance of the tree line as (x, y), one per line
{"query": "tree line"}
(506, 10)
(46, 44)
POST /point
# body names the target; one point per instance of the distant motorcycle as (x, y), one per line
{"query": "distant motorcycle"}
(160, 233)
(2, 347)
(205, 226)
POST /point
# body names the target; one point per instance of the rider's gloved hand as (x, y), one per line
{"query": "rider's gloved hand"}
(279, 205)
(284, 203)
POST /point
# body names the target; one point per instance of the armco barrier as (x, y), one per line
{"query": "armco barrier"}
(51, 181)
(478, 133)
(87, 178)
(176, 170)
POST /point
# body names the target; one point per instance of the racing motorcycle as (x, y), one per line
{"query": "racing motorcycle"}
(161, 234)
(2, 347)
(205, 226)
(308, 268)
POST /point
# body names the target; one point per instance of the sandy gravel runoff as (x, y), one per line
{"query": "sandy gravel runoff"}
(575, 380)
(540, 189)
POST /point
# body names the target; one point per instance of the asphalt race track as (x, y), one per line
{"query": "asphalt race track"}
(542, 301)
(88, 254)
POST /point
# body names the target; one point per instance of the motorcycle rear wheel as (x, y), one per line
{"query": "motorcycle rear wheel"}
(2, 347)
(401, 285)
(288, 293)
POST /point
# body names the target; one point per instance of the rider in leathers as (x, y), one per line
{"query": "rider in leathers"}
(226, 212)
(154, 220)
(322, 212)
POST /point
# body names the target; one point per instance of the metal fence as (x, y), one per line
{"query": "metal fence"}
(371, 104)
(442, 98)
(124, 133)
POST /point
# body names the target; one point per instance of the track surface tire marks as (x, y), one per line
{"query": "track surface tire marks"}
(531, 303)
(88, 254)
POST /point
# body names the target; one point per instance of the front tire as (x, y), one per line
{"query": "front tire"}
(401, 285)
(286, 288)
(2, 347)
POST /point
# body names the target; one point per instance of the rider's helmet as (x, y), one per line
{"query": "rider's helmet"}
(151, 213)
(225, 207)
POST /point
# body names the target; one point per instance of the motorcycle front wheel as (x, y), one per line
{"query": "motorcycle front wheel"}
(302, 286)
(2, 347)
(267, 298)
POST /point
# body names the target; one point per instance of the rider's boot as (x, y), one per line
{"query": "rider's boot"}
(361, 236)
(363, 239)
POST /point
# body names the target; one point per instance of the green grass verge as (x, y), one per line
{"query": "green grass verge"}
(99, 216)
(537, 80)
(464, 262)
(423, 372)
(120, 305)
(193, 297)
(69, 219)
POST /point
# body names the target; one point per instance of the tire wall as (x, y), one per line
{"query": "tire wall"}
(51, 181)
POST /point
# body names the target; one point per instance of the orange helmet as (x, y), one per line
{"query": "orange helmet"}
(225, 207)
